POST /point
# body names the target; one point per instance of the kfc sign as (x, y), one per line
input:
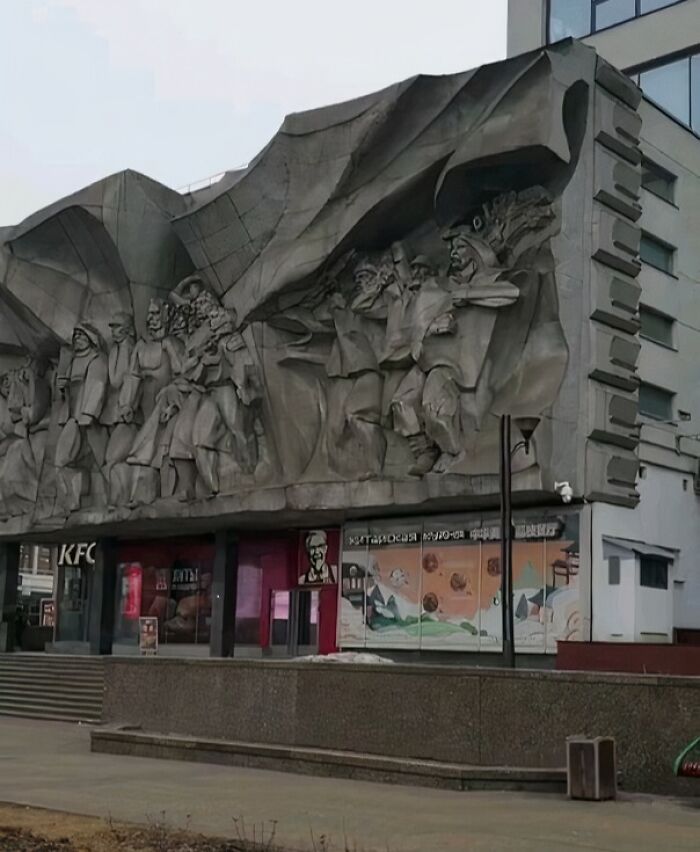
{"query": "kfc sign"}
(71, 555)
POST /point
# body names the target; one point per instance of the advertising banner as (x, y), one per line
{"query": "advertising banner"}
(47, 612)
(318, 557)
(148, 635)
(435, 583)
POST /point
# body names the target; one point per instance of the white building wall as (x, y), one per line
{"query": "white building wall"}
(654, 620)
(668, 516)
(613, 605)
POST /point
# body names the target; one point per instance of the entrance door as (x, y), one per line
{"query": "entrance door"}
(293, 623)
(304, 622)
(73, 603)
(280, 623)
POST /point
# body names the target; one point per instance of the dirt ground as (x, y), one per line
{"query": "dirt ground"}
(24, 829)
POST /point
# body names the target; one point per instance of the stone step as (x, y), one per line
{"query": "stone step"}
(53, 671)
(328, 763)
(50, 660)
(34, 712)
(42, 686)
(51, 677)
(51, 688)
(38, 657)
(53, 702)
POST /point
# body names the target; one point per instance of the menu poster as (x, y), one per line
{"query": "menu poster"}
(148, 635)
(47, 609)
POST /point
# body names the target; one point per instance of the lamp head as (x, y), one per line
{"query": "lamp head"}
(527, 426)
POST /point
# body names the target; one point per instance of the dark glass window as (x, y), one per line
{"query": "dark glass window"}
(613, 570)
(656, 326)
(569, 18)
(656, 403)
(653, 572)
(669, 86)
(658, 181)
(610, 12)
(656, 253)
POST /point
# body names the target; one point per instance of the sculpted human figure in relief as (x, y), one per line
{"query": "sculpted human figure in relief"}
(81, 382)
(228, 410)
(154, 361)
(122, 434)
(25, 405)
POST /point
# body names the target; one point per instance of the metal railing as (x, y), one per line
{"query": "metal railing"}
(206, 182)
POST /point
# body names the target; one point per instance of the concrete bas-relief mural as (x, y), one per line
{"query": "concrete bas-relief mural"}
(358, 305)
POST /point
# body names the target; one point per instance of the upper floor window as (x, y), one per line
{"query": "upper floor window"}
(675, 86)
(658, 181)
(656, 253)
(655, 403)
(613, 570)
(579, 18)
(656, 326)
(653, 572)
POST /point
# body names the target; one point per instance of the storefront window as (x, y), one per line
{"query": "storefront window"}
(436, 584)
(266, 573)
(170, 581)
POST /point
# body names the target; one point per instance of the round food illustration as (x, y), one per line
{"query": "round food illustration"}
(458, 582)
(430, 563)
(493, 567)
(430, 602)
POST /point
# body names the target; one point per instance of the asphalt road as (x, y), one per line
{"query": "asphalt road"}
(49, 764)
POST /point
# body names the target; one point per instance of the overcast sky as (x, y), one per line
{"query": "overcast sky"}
(181, 89)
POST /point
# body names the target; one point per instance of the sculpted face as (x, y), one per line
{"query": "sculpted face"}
(204, 304)
(463, 258)
(387, 271)
(121, 330)
(81, 342)
(419, 274)
(154, 321)
(365, 277)
(222, 322)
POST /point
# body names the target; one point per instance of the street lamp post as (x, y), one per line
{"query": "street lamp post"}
(527, 426)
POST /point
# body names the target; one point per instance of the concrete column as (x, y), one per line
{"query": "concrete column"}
(223, 595)
(103, 597)
(9, 577)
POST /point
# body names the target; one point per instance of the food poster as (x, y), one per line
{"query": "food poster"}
(393, 585)
(528, 593)
(490, 612)
(380, 595)
(562, 615)
(148, 635)
(437, 582)
(451, 583)
(353, 570)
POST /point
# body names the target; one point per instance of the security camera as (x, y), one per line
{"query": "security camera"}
(565, 491)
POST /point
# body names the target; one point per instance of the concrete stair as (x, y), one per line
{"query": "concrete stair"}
(126, 740)
(51, 686)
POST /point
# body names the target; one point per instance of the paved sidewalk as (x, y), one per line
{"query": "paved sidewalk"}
(48, 764)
